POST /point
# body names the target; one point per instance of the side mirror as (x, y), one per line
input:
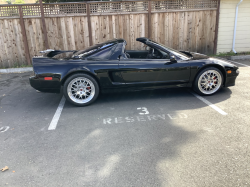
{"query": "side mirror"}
(173, 59)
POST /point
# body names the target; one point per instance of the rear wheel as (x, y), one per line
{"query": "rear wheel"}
(208, 81)
(81, 89)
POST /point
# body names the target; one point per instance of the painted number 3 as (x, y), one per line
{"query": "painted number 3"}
(144, 110)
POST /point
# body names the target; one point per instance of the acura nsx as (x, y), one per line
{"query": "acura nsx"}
(109, 67)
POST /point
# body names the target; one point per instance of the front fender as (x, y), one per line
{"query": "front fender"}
(198, 65)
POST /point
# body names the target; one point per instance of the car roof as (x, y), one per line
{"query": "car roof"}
(119, 40)
(143, 39)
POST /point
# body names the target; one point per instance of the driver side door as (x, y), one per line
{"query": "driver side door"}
(154, 72)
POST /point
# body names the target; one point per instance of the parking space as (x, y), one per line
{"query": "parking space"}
(242, 63)
(164, 137)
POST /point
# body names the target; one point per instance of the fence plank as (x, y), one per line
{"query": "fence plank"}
(13, 43)
(197, 37)
(85, 35)
(64, 34)
(77, 32)
(149, 19)
(127, 30)
(175, 32)
(170, 30)
(8, 43)
(44, 28)
(89, 25)
(18, 42)
(26, 46)
(185, 31)
(216, 27)
(132, 31)
(3, 55)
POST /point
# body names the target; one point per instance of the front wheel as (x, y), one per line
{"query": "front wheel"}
(208, 81)
(81, 89)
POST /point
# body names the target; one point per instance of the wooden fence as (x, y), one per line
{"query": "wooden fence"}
(181, 24)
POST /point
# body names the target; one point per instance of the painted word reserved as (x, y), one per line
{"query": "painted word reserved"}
(143, 118)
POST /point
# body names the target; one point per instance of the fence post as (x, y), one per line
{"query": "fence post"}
(89, 25)
(25, 41)
(44, 25)
(216, 27)
(149, 19)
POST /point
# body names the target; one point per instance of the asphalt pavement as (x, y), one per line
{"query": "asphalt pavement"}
(156, 138)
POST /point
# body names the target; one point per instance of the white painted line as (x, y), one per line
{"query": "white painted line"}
(57, 115)
(240, 64)
(209, 104)
(4, 129)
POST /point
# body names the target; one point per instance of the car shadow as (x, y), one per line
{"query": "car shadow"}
(158, 95)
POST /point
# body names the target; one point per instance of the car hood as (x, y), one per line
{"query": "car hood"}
(224, 62)
(195, 56)
(198, 56)
(214, 60)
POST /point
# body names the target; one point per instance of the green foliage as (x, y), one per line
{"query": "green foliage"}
(19, 2)
(58, 1)
(231, 53)
(17, 65)
(8, 1)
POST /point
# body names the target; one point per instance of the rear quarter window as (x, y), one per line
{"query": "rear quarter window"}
(105, 53)
(98, 51)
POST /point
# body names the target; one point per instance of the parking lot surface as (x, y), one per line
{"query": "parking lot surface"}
(169, 137)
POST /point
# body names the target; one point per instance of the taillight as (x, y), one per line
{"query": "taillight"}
(48, 78)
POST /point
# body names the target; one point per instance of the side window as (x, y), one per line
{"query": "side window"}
(165, 55)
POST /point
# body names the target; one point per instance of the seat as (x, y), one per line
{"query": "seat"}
(127, 55)
(150, 53)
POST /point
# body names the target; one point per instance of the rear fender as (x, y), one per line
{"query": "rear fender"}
(85, 71)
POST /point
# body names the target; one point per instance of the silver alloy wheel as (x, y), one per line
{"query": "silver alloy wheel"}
(81, 90)
(209, 82)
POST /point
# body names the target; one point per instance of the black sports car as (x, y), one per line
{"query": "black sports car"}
(109, 67)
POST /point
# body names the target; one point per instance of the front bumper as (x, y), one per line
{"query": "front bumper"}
(230, 81)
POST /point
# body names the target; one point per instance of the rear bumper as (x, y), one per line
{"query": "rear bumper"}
(44, 86)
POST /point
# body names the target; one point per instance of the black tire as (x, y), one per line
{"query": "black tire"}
(82, 88)
(201, 90)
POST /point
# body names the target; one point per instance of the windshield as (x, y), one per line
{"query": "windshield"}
(173, 51)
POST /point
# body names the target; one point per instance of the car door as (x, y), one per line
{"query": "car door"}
(157, 72)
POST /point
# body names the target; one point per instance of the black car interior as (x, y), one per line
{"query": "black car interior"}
(152, 53)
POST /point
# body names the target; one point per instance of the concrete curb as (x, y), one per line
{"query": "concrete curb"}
(240, 57)
(16, 70)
